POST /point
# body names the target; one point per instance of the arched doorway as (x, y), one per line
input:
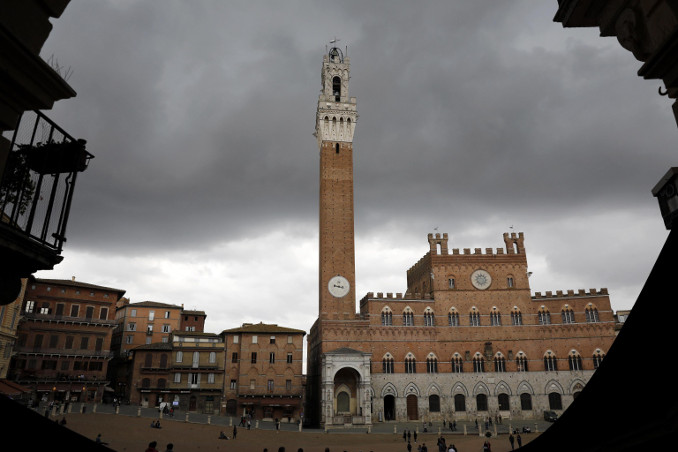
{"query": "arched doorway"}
(412, 408)
(346, 401)
(389, 408)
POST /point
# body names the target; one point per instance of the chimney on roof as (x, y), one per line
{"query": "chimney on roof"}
(72, 278)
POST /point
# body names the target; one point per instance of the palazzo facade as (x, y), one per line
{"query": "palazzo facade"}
(467, 339)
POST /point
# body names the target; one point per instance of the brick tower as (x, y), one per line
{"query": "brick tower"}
(334, 127)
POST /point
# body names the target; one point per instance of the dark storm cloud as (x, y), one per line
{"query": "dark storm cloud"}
(474, 116)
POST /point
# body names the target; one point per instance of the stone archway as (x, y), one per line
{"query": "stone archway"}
(346, 388)
(389, 407)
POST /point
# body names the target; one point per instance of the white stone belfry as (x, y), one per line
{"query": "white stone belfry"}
(336, 115)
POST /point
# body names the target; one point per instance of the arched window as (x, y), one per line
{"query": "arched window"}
(459, 402)
(516, 317)
(434, 403)
(336, 88)
(410, 364)
(550, 362)
(598, 358)
(429, 317)
(555, 401)
(457, 364)
(474, 317)
(386, 317)
(567, 314)
(163, 361)
(499, 363)
(525, 401)
(387, 364)
(146, 383)
(148, 362)
(431, 364)
(495, 317)
(162, 383)
(574, 360)
(521, 362)
(478, 363)
(592, 314)
(544, 316)
(481, 402)
(503, 401)
(453, 317)
(408, 317)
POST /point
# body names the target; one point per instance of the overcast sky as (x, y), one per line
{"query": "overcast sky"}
(475, 118)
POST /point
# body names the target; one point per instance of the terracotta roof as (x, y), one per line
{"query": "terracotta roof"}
(194, 312)
(72, 283)
(154, 346)
(153, 304)
(262, 328)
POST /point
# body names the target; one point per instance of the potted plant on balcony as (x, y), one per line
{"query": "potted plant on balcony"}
(51, 157)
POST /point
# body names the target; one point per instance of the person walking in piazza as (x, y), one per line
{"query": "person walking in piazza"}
(520, 440)
(511, 440)
(405, 435)
(409, 446)
(409, 435)
(235, 431)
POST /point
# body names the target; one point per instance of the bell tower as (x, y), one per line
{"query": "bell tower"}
(334, 126)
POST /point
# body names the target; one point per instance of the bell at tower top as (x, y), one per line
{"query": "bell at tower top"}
(336, 55)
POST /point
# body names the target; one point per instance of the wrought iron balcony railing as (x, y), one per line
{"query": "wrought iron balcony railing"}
(37, 186)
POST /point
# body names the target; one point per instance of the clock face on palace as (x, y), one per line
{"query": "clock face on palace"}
(481, 279)
(338, 286)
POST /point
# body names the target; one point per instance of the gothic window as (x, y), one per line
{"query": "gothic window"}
(481, 402)
(495, 317)
(474, 317)
(544, 316)
(387, 364)
(429, 317)
(386, 317)
(459, 402)
(453, 317)
(431, 364)
(574, 361)
(521, 362)
(478, 363)
(525, 401)
(410, 364)
(434, 403)
(451, 283)
(567, 315)
(457, 364)
(509, 281)
(516, 317)
(555, 401)
(503, 402)
(592, 314)
(598, 358)
(408, 317)
(499, 363)
(550, 362)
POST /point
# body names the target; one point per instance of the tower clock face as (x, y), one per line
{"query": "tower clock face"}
(338, 286)
(481, 279)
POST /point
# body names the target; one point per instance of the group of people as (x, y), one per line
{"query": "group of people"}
(155, 424)
(153, 444)
(517, 439)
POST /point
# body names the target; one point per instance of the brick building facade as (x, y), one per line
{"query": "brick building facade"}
(264, 365)
(467, 340)
(64, 338)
